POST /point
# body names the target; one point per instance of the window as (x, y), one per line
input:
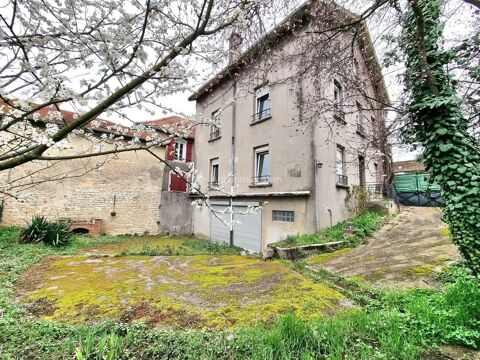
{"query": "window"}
(360, 120)
(214, 167)
(262, 110)
(341, 178)
(356, 65)
(338, 102)
(180, 149)
(215, 127)
(281, 215)
(374, 128)
(262, 165)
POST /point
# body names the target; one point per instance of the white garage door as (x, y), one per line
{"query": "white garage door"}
(247, 230)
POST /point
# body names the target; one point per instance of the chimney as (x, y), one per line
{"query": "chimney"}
(234, 47)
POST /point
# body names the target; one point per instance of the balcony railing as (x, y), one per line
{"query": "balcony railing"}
(215, 134)
(213, 184)
(262, 115)
(338, 113)
(361, 129)
(342, 180)
(263, 179)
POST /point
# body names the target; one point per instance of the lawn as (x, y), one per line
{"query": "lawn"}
(382, 325)
(362, 226)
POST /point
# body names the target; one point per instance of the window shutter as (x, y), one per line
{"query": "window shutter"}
(177, 183)
(188, 155)
(171, 149)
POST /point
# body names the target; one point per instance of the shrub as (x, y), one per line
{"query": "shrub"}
(48, 232)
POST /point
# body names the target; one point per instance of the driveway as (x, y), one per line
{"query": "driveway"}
(407, 252)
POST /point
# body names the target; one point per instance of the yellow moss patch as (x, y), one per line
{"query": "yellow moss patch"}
(445, 231)
(422, 270)
(323, 258)
(179, 291)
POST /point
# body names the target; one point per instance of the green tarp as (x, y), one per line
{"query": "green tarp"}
(414, 182)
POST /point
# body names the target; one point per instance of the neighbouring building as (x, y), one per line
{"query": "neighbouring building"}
(123, 193)
(408, 166)
(295, 139)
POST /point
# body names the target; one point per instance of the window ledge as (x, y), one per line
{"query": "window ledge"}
(214, 138)
(341, 186)
(254, 185)
(260, 120)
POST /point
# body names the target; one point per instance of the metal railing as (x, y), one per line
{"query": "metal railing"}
(263, 179)
(262, 115)
(215, 134)
(342, 180)
(338, 113)
(213, 184)
(360, 129)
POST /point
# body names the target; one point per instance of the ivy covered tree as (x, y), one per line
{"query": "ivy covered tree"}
(451, 153)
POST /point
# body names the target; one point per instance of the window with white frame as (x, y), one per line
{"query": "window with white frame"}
(180, 149)
(214, 171)
(282, 215)
(262, 165)
(262, 104)
(340, 166)
(215, 127)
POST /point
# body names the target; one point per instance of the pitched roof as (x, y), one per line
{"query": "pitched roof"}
(99, 125)
(300, 17)
(174, 124)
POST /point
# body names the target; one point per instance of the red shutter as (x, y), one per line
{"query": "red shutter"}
(189, 151)
(171, 149)
(177, 183)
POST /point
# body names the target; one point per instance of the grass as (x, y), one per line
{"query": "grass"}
(364, 225)
(389, 325)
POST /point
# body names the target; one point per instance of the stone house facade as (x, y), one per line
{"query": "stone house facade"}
(123, 193)
(274, 149)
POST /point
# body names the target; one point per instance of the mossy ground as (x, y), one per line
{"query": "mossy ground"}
(175, 291)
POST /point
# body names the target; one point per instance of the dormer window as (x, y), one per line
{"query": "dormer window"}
(262, 105)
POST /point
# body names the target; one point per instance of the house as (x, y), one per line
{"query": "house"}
(121, 193)
(283, 156)
(408, 166)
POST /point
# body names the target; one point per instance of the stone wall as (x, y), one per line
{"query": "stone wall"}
(123, 190)
(176, 213)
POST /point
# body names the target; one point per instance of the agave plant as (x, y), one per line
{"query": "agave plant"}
(50, 233)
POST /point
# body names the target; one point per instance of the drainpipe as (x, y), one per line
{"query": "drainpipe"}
(232, 166)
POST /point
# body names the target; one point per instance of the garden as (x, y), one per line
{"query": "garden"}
(165, 297)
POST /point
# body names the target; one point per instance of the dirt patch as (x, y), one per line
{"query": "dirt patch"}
(407, 252)
(174, 291)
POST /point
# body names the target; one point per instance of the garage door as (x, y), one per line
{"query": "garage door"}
(247, 230)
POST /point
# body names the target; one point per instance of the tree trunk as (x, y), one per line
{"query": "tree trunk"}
(451, 154)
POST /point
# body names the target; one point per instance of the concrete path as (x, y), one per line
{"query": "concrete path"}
(407, 252)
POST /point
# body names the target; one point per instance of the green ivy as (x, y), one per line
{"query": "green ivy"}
(451, 154)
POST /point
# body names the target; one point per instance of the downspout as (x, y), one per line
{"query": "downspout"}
(232, 166)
